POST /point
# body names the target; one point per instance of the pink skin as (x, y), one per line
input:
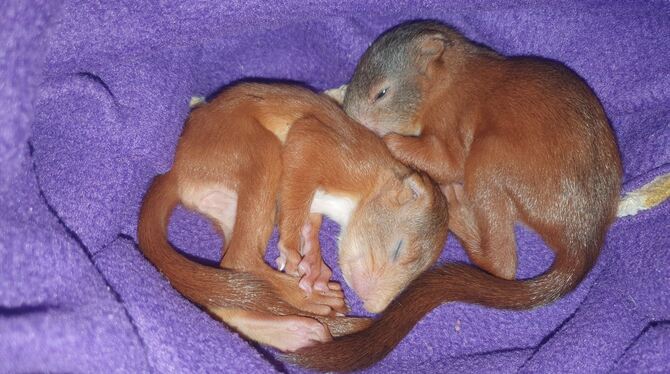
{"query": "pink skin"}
(363, 286)
(301, 332)
(286, 333)
(315, 274)
(372, 285)
(368, 288)
(287, 261)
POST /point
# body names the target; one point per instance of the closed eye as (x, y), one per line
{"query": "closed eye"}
(398, 247)
(381, 93)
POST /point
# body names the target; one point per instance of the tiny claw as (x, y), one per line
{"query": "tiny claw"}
(281, 262)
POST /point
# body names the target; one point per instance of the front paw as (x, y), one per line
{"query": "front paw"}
(315, 276)
(288, 260)
(394, 142)
(454, 194)
(314, 273)
(324, 303)
(400, 147)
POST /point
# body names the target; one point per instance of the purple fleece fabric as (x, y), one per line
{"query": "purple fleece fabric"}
(93, 96)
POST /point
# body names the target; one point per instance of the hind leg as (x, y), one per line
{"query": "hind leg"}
(286, 333)
(314, 272)
(485, 228)
(245, 217)
(254, 221)
(256, 209)
(300, 253)
(296, 196)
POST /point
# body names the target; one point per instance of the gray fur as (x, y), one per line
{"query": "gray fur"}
(392, 58)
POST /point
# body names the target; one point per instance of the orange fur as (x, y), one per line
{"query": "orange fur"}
(509, 140)
(256, 148)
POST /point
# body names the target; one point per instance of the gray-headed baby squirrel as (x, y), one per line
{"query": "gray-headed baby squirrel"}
(510, 140)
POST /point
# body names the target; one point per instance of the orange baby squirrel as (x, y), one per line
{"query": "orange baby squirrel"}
(261, 150)
(509, 139)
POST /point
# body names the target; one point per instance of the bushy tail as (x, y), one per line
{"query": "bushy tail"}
(450, 282)
(204, 285)
(210, 287)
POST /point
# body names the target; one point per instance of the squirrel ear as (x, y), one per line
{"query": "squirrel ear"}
(430, 48)
(416, 185)
(411, 189)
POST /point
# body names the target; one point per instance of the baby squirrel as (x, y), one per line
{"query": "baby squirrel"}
(260, 152)
(510, 140)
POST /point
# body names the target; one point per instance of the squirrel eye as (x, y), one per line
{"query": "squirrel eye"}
(381, 94)
(396, 252)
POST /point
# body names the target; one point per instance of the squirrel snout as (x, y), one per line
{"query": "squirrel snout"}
(368, 291)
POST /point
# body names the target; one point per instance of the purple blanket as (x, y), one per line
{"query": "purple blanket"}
(93, 96)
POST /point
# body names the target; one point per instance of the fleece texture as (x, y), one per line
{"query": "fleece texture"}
(93, 96)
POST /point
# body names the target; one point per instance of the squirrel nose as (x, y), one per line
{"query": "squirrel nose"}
(373, 300)
(363, 286)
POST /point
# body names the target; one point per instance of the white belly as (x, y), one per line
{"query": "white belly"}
(337, 208)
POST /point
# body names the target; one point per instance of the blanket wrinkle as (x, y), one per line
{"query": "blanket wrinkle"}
(498, 351)
(26, 309)
(549, 337)
(651, 325)
(652, 345)
(174, 329)
(119, 298)
(595, 273)
(96, 78)
(91, 257)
